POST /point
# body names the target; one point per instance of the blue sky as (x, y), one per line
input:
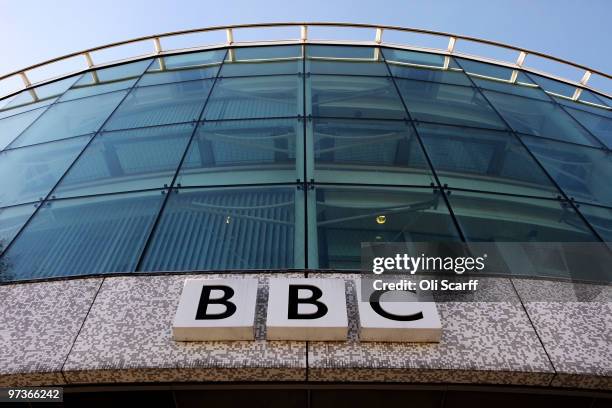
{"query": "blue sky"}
(36, 30)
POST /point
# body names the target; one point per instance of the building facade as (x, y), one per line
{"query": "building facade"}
(280, 159)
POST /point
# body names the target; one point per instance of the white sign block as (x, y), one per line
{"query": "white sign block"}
(307, 309)
(216, 309)
(401, 321)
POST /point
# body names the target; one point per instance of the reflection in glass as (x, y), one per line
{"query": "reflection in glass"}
(106, 80)
(264, 53)
(68, 119)
(255, 97)
(190, 60)
(342, 52)
(242, 152)
(505, 218)
(417, 58)
(31, 172)
(456, 77)
(583, 173)
(11, 221)
(600, 126)
(230, 228)
(38, 96)
(127, 160)
(539, 118)
(368, 152)
(161, 105)
(12, 126)
(83, 236)
(600, 218)
(491, 72)
(433, 102)
(348, 216)
(484, 160)
(323, 59)
(242, 68)
(354, 97)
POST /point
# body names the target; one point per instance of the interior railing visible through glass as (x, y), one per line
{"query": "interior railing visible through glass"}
(290, 156)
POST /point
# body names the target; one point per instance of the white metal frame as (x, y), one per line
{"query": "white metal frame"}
(378, 32)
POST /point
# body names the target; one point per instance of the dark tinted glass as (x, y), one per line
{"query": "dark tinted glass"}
(242, 68)
(255, 97)
(490, 71)
(583, 173)
(539, 118)
(553, 86)
(600, 218)
(31, 172)
(434, 102)
(342, 52)
(348, 216)
(503, 218)
(161, 105)
(231, 228)
(416, 58)
(12, 126)
(243, 152)
(484, 160)
(11, 221)
(600, 126)
(127, 160)
(354, 97)
(69, 119)
(529, 91)
(83, 236)
(261, 53)
(446, 76)
(368, 152)
(596, 109)
(346, 67)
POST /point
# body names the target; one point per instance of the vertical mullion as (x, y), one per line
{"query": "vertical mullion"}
(426, 154)
(78, 156)
(171, 187)
(305, 184)
(564, 196)
(556, 103)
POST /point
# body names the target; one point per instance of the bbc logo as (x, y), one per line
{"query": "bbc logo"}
(298, 309)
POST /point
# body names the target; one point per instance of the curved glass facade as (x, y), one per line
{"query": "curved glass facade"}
(288, 157)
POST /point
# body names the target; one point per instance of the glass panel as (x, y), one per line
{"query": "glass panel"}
(528, 91)
(35, 170)
(166, 75)
(355, 97)
(584, 106)
(591, 97)
(432, 75)
(11, 221)
(127, 160)
(368, 152)
(600, 219)
(41, 94)
(191, 60)
(600, 126)
(243, 152)
(161, 105)
(539, 118)
(505, 218)
(347, 68)
(25, 108)
(348, 216)
(415, 58)
(345, 52)
(12, 126)
(83, 236)
(239, 68)
(255, 97)
(491, 71)
(69, 119)
(433, 102)
(553, 86)
(230, 228)
(484, 160)
(264, 53)
(583, 173)
(106, 80)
